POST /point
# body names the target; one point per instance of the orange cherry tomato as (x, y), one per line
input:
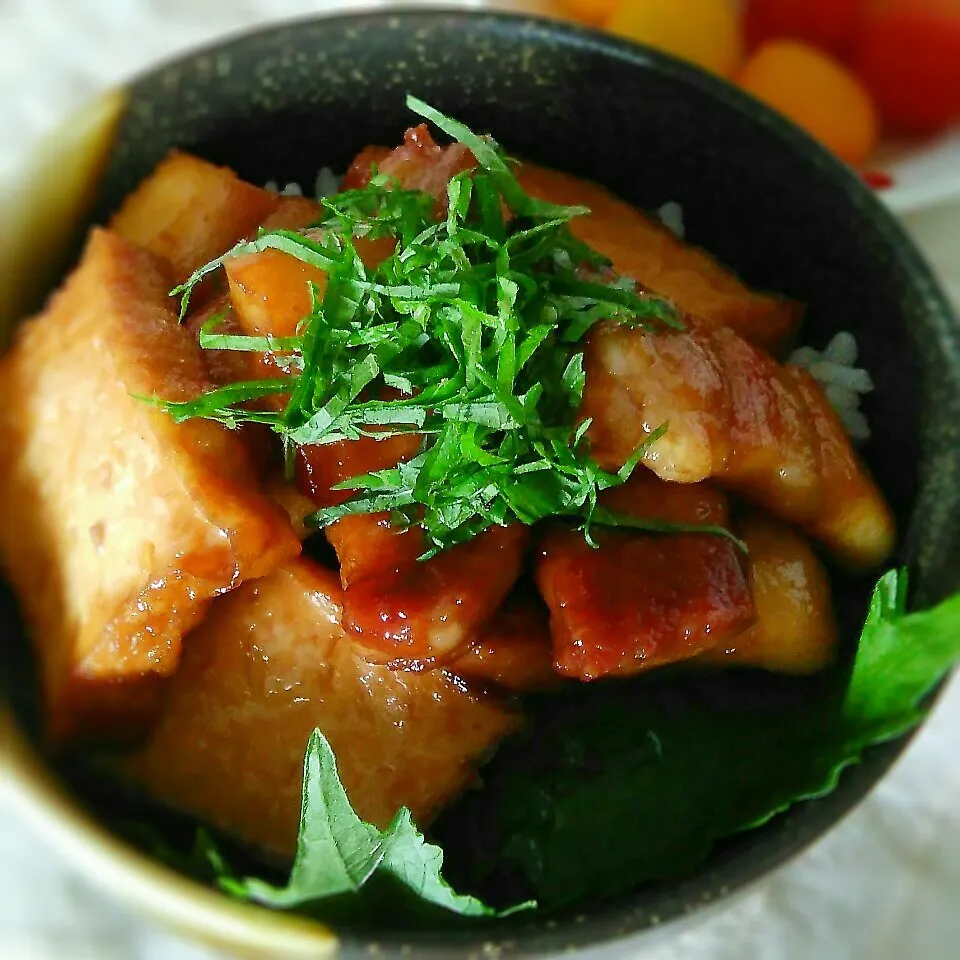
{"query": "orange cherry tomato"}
(590, 11)
(705, 32)
(818, 93)
(829, 24)
(908, 54)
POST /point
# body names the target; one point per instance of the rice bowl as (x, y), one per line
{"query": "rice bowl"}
(694, 208)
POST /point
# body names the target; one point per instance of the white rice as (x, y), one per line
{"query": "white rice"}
(326, 185)
(671, 216)
(835, 369)
(290, 190)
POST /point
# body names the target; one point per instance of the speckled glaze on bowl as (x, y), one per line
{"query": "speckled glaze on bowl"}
(281, 103)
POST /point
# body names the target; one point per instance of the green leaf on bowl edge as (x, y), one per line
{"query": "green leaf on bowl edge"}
(645, 793)
(346, 866)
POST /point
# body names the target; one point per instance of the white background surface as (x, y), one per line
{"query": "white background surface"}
(884, 884)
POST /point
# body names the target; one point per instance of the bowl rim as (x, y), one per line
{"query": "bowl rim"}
(31, 789)
(207, 915)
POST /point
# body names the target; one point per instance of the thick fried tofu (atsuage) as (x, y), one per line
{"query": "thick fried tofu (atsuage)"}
(268, 666)
(118, 525)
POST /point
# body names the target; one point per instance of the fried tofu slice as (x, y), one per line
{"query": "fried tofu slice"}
(269, 665)
(646, 251)
(796, 631)
(189, 211)
(116, 524)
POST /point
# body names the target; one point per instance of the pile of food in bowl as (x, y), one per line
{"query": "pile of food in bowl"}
(302, 545)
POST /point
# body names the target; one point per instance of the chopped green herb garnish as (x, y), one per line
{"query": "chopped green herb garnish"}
(470, 335)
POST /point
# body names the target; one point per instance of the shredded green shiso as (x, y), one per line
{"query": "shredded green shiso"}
(470, 335)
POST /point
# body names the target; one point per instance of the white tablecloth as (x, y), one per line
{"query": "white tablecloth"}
(884, 884)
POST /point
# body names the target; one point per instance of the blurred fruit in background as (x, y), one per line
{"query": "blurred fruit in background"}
(705, 32)
(908, 53)
(845, 70)
(591, 11)
(818, 93)
(830, 25)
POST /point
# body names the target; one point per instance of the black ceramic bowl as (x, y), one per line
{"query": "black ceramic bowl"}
(755, 190)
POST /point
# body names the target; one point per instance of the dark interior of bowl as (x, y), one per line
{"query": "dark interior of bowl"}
(279, 105)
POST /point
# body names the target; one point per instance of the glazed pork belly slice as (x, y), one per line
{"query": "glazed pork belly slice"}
(270, 664)
(289, 498)
(266, 294)
(407, 611)
(854, 519)
(637, 246)
(419, 163)
(646, 251)
(225, 366)
(189, 212)
(293, 213)
(639, 601)
(511, 652)
(796, 631)
(269, 292)
(763, 430)
(243, 307)
(118, 525)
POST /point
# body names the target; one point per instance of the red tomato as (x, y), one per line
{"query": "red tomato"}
(908, 54)
(828, 24)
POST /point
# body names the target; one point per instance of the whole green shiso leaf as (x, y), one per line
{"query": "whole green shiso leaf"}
(344, 866)
(643, 789)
